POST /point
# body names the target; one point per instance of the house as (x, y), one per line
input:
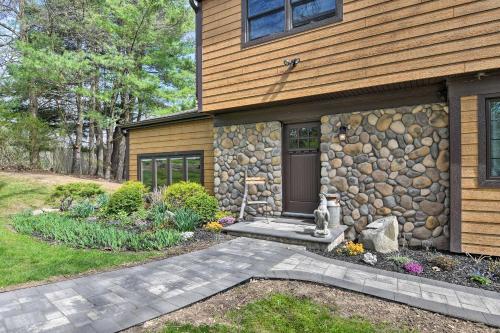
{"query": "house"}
(392, 104)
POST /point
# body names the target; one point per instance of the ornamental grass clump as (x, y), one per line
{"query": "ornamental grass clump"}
(63, 229)
(413, 267)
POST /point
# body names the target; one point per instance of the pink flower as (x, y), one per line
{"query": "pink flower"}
(413, 267)
(228, 220)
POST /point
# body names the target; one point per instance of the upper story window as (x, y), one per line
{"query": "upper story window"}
(268, 19)
(489, 134)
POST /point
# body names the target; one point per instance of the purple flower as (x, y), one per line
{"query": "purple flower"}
(228, 220)
(413, 267)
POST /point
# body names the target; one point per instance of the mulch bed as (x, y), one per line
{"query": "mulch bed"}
(465, 266)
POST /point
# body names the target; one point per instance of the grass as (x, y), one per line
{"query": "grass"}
(26, 259)
(281, 313)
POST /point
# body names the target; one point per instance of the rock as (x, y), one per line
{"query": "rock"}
(403, 180)
(392, 144)
(420, 152)
(384, 189)
(242, 159)
(383, 211)
(440, 243)
(419, 168)
(398, 164)
(370, 258)
(361, 224)
(384, 123)
(227, 143)
(443, 161)
(340, 183)
(365, 168)
(422, 233)
(438, 119)
(378, 203)
(348, 161)
(389, 202)
(431, 208)
(437, 232)
(348, 220)
(379, 176)
(429, 162)
(398, 127)
(355, 120)
(336, 163)
(372, 119)
(353, 148)
(427, 141)
(422, 182)
(381, 235)
(415, 131)
(408, 227)
(406, 202)
(362, 198)
(431, 223)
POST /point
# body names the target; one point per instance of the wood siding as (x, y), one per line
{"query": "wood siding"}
(178, 137)
(378, 42)
(480, 206)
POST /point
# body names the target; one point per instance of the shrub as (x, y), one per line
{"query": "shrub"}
(159, 214)
(213, 226)
(400, 260)
(481, 279)
(82, 209)
(413, 267)
(177, 194)
(102, 201)
(64, 195)
(445, 263)
(128, 198)
(186, 220)
(60, 228)
(203, 204)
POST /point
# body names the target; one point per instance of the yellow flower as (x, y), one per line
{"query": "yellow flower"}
(354, 249)
(213, 226)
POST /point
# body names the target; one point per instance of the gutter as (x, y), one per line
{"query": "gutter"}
(196, 5)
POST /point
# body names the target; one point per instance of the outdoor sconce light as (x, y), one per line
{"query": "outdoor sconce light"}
(291, 63)
(342, 133)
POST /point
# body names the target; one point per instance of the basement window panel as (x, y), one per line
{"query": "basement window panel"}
(268, 19)
(166, 169)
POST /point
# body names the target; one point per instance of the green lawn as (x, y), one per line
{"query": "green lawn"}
(24, 258)
(285, 314)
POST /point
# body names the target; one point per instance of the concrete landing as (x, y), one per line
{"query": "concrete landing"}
(288, 231)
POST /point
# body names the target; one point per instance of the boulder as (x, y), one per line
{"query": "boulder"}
(381, 235)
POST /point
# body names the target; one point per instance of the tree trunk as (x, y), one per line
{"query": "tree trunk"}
(100, 151)
(92, 150)
(77, 148)
(109, 152)
(121, 140)
(34, 148)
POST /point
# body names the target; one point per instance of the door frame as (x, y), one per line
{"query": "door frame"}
(284, 167)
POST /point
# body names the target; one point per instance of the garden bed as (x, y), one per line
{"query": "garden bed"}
(463, 266)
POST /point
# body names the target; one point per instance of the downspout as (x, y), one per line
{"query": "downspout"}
(126, 173)
(196, 5)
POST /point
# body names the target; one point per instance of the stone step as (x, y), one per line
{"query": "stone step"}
(288, 231)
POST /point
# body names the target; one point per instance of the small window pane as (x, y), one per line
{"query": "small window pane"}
(315, 9)
(314, 143)
(147, 173)
(304, 144)
(292, 133)
(256, 7)
(176, 169)
(194, 169)
(267, 25)
(161, 172)
(304, 132)
(494, 150)
(314, 132)
(292, 144)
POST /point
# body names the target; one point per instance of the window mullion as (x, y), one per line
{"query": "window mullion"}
(288, 15)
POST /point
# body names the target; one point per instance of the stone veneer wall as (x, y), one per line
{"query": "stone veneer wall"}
(253, 146)
(393, 162)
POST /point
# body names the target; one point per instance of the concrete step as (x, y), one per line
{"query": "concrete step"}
(288, 231)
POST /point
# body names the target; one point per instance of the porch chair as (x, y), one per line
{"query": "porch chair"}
(245, 201)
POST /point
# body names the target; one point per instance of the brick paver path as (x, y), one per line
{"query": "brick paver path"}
(112, 301)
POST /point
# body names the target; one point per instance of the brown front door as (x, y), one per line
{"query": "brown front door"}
(301, 167)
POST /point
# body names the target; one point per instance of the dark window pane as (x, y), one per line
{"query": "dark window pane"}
(304, 144)
(176, 169)
(315, 9)
(292, 144)
(315, 132)
(304, 132)
(194, 169)
(256, 7)
(267, 25)
(494, 110)
(292, 133)
(161, 172)
(147, 173)
(314, 143)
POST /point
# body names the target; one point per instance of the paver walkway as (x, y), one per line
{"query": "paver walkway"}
(112, 301)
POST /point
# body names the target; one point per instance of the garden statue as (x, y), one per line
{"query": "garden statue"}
(322, 218)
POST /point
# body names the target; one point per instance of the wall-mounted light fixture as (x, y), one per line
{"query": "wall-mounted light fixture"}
(291, 63)
(342, 133)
